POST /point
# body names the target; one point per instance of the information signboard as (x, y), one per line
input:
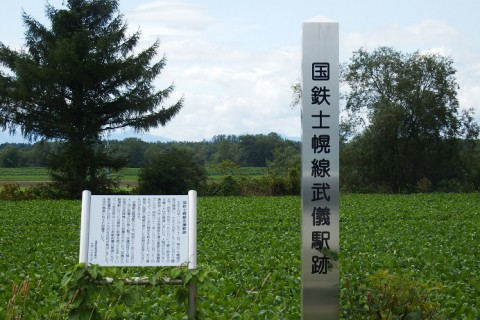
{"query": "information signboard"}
(144, 230)
(320, 169)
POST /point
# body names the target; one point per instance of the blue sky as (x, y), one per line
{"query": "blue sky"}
(234, 61)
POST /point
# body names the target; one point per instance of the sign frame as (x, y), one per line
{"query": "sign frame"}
(87, 227)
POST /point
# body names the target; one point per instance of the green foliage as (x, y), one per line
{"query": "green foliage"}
(405, 246)
(11, 192)
(231, 181)
(17, 304)
(392, 296)
(424, 240)
(225, 148)
(138, 153)
(254, 185)
(413, 122)
(83, 166)
(285, 158)
(24, 174)
(296, 98)
(226, 186)
(284, 171)
(14, 155)
(424, 185)
(132, 149)
(40, 174)
(10, 157)
(256, 150)
(470, 158)
(86, 294)
(38, 242)
(79, 78)
(173, 171)
(213, 172)
(82, 292)
(254, 244)
(226, 167)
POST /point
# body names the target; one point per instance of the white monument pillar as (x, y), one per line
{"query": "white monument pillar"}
(320, 169)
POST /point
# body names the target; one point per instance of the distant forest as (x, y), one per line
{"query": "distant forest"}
(452, 165)
(244, 150)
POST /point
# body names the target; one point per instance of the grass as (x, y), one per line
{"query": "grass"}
(425, 240)
(24, 174)
(40, 174)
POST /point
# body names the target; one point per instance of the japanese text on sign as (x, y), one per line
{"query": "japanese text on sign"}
(138, 231)
(320, 169)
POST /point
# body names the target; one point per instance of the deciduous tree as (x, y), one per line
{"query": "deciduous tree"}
(413, 119)
(172, 171)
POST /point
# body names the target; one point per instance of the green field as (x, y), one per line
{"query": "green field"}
(23, 174)
(242, 171)
(41, 174)
(36, 174)
(254, 244)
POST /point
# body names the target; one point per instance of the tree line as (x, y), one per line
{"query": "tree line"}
(456, 169)
(176, 167)
(247, 150)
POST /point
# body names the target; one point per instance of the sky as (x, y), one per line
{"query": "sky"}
(234, 62)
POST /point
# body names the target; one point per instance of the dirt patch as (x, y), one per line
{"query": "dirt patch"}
(25, 184)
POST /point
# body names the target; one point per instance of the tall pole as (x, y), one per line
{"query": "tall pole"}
(192, 252)
(320, 169)
(84, 227)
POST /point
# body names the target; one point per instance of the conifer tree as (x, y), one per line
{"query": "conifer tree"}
(76, 80)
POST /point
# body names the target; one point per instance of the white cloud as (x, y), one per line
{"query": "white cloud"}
(426, 32)
(227, 89)
(470, 98)
(235, 90)
(230, 85)
(230, 95)
(173, 14)
(441, 50)
(426, 35)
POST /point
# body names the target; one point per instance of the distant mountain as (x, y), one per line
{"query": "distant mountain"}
(17, 138)
(296, 139)
(6, 138)
(120, 136)
(142, 136)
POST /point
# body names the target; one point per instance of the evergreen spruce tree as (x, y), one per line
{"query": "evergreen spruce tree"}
(77, 80)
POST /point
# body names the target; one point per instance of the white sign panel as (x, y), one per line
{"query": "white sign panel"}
(135, 230)
(320, 170)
